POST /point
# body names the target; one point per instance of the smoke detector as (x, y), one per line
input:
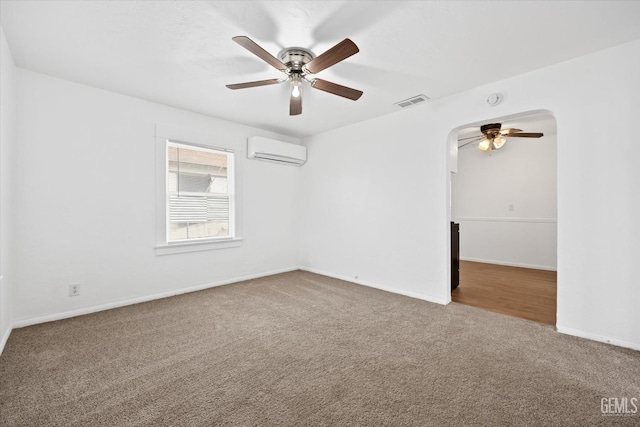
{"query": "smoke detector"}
(494, 99)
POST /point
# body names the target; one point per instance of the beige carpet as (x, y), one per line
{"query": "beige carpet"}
(299, 349)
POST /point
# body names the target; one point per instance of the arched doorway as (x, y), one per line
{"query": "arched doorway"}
(505, 203)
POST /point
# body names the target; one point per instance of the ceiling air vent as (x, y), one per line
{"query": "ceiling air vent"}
(412, 101)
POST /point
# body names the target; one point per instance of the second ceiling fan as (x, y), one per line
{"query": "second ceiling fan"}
(299, 64)
(494, 137)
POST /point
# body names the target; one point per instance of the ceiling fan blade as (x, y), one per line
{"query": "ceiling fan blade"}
(254, 48)
(255, 84)
(471, 137)
(470, 142)
(504, 132)
(295, 105)
(339, 52)
(525, 135)
(336, 89)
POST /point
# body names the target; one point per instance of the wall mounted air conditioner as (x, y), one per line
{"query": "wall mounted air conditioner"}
(271, 150)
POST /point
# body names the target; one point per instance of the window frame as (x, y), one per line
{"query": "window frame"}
(165, 136)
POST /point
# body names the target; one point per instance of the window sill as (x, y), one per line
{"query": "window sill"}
(209, 245)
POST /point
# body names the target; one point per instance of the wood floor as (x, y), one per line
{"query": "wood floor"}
(519, 292)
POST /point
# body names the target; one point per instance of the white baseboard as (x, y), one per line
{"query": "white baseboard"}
(4, 339)
(21, 323)
(510, 264)
(423, 297)
(599, 338)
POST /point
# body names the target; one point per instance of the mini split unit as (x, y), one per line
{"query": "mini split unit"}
(271, 150)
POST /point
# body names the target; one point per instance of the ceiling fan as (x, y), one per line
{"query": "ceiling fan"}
(494, 137)
(299, 65)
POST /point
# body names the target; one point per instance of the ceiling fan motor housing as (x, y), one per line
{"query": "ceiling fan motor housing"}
(295, 58)
(491, 129)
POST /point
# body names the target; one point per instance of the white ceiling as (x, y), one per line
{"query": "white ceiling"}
(180, 53)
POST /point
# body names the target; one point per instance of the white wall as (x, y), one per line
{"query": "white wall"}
(7, 99)
(86, 198)
(505, 202)
(375, 200)
(366, 212)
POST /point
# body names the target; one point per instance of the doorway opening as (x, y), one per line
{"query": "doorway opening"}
(504, 202)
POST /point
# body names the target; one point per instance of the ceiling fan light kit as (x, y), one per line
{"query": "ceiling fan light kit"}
(494, 137)
(296, 86)
(484, 144)
(299, 64)
(499, 141)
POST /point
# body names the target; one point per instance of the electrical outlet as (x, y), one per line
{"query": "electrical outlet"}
(511, 207)
(74, 290)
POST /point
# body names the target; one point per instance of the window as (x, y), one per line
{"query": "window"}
(199, 193)
(198, 183)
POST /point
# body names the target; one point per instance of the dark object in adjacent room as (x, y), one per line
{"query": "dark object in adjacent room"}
(455, 255)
